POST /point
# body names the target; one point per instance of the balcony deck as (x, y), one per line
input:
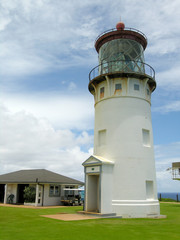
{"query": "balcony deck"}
(122, 68)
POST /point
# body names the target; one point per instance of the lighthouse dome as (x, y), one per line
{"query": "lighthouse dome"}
(120, 26)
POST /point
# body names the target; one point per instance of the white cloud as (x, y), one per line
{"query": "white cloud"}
(30, 142)
(40, 36)
(159, 20)
(170, 150)
(71, 111)
(168, 86)
(172, 106)
(165, 155)
(169, 79)
(4, 22)
(72, 86)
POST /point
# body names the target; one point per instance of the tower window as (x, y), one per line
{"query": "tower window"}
(149, 190)
(118, 86)
(102, 137)
(148, 91)
(146, 137)
(102, 92)
(136, 87)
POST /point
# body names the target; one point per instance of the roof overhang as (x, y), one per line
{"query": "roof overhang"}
(176, 165)
(96, 160)
(55, 183)
(122, 34)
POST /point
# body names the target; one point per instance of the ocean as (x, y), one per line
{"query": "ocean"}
(169, 195)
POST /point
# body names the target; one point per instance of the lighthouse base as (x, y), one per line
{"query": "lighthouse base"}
(100, 215)
(136, 208)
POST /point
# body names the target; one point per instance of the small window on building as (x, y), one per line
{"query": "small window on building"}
(136, 87)
(146, 137)
(54, 190)
(118, 86)
(102, 137)
(102, 92)
(51, 190)
(148, 93)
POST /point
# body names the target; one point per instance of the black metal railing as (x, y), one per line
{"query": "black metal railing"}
(128, 29)
(122, 66)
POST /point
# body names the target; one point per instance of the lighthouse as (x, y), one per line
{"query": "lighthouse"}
(120, 177)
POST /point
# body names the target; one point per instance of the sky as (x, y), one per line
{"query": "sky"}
(46, 54)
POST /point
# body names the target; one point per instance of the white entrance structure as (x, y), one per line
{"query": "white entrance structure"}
(120, 176)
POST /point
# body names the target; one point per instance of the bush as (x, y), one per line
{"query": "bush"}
(168, 200)
(30, 194)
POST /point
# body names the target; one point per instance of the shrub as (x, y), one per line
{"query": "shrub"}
(30, 194)
(168, 200)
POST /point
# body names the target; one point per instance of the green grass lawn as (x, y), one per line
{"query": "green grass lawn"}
(26, 224)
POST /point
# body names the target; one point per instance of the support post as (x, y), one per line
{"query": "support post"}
(5, 194)
(160, 197)
(37, 192)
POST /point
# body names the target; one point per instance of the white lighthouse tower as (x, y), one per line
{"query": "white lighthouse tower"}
(120, 176)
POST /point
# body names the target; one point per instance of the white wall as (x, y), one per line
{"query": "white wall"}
(50, 201)
(123, 116)
(106, 188)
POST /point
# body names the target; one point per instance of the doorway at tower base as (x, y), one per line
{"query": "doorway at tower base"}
(99, 198)
(98, 185)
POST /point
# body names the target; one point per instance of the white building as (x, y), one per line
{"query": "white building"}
(175, 170)
(120, 176)
(50, 187)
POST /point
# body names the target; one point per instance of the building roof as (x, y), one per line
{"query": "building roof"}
(97, 160)
(176, 164)
(37, 176)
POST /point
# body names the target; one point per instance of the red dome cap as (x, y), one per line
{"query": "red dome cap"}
(120, 26)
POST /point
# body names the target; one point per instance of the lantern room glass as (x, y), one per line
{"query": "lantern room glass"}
(124, 55)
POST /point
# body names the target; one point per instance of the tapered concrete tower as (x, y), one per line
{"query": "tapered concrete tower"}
(120, 176)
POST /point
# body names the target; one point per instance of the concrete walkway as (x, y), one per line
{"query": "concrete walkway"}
(70, 217)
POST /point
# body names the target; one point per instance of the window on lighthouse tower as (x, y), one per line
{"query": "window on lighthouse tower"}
(136, 87)
(146, 137)
(102, 92)
(102, 137)
(118, 86)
